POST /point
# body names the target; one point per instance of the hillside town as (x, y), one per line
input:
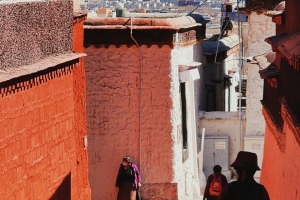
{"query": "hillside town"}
(149, 100)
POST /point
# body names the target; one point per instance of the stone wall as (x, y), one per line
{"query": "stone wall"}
(31, 31)
(255, 121)
(260, 27)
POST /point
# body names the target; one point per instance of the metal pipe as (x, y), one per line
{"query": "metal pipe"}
(240, 82)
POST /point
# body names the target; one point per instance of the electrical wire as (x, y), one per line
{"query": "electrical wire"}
(262, 53)
(222, 31)
(200, 4)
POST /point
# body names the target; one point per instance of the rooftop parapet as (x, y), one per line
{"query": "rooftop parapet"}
(34, 30)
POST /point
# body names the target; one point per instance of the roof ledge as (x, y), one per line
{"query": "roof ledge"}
(167, 23)
(43, 64)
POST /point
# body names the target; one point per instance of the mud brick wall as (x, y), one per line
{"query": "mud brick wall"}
(113, 110)
(80, 128)
(41, 155)
(42, 126)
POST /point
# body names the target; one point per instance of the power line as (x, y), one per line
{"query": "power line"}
(200, 4)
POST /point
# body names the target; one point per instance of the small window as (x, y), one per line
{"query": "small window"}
(210, 97)
(184, 124)
(183, 118)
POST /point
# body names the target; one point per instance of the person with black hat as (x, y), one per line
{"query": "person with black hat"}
(128, 180)
(245, 188)
(215, 183)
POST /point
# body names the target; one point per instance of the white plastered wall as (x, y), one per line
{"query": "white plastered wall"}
(260, 27)
(184, 173)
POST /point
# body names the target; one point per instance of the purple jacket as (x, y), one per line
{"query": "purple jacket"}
(136, 177)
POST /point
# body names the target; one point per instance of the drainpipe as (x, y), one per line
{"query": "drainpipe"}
(240, 82)
(141, 93)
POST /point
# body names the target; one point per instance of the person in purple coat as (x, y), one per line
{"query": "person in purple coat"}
(128, 180)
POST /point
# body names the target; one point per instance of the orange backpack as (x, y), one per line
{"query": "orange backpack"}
(215, 186)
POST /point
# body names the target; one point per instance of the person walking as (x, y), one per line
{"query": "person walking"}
(245, 188)
(215, 183)
(128, 180)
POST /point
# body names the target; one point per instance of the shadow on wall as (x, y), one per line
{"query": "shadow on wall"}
(63, 192)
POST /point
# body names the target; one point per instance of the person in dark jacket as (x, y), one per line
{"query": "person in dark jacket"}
(208, 194)
(128, 180)
(245, 188)
(226, 25)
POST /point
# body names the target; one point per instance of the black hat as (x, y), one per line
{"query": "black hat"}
(246, 159)
(127, 159)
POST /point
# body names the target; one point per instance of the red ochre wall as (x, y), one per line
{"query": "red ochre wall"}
(77, 37)
(281, 169)
(42, 125)
(79, 88)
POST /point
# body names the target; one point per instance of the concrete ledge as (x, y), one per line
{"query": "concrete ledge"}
(220, 115)
(141, 22)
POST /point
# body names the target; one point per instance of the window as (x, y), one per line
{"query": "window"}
(184, 124)
(243, 103)
(183, 118)
(210, 97)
